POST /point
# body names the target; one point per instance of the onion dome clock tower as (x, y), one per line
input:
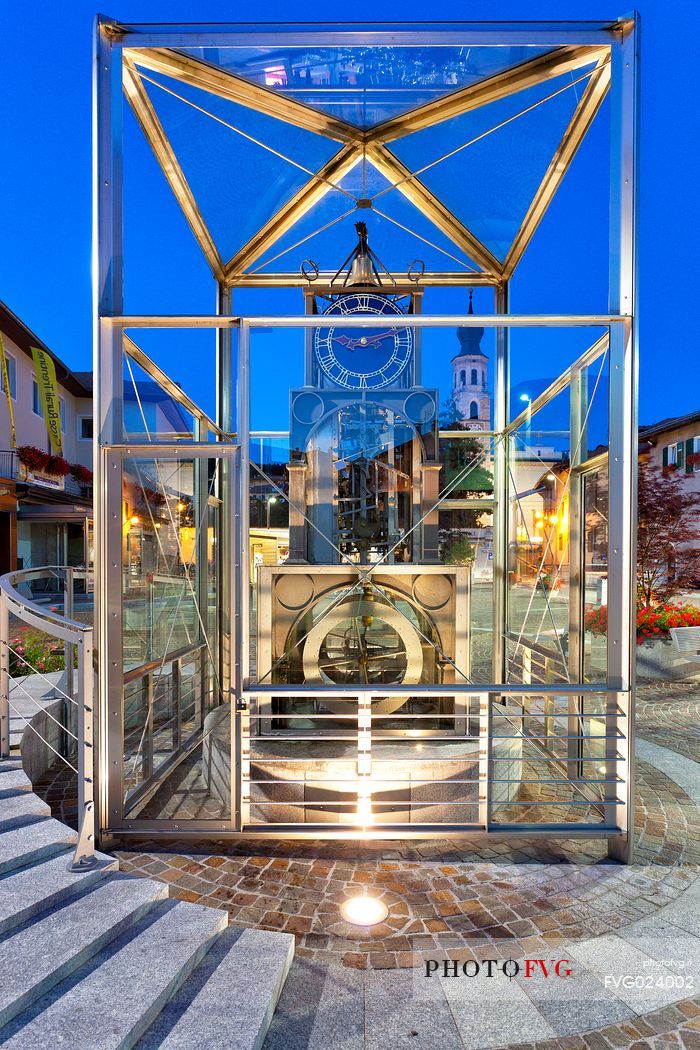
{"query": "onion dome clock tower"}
(470, 389)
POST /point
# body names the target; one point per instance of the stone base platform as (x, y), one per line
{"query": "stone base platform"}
(314, 781)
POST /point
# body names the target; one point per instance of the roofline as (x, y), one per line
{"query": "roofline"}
(672, 423)
(25, 339)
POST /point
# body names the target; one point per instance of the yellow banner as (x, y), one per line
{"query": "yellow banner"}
(48, 394)
(8, 392)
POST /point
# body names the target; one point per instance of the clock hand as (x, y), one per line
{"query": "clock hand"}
(363, 340)
(345, 340)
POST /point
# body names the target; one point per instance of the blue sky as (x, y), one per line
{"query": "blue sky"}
(45, 187)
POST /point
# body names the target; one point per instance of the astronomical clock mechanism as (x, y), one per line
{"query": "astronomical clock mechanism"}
(364, 477)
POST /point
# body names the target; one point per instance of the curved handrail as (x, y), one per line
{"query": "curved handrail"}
(38, 616)
(72, 633)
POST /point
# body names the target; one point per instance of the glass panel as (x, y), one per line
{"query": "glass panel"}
(567, 429)
(552, 351)
(538, 570)
(150, 413)
(487, 164)
(188, 358)
(158, 241)
(548, 761)
(595, 587)
(232, 197)
(365, 85)
(169, 609)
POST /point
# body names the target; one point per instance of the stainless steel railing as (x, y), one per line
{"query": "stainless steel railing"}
(77, 638)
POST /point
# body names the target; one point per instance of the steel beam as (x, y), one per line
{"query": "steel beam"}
(369, 34)
(218, 81)
(290, 213)
(432, 208)
(501, 85)
(431, 279)
(577, 129)
(501, 487)
(622, 458)
(159, 142)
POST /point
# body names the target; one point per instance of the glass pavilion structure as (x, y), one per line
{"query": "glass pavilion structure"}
(364, 535)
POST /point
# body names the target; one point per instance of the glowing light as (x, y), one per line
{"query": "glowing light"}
(552, 519)
(526, 397)
(364, 811)
(364, 911)
(135, 519)
(181, 506)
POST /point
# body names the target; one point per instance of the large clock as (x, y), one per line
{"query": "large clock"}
(363, 358)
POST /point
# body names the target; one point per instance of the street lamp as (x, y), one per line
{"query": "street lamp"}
(528, 419)
(271, 499)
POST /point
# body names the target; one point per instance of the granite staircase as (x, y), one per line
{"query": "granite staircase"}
(101, 960)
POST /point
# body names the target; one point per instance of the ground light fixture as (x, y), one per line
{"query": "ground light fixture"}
(364, 910)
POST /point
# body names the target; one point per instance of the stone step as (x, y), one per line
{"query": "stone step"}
(21, 809)
(28, 891)
(40, 955)
(33, 842)
(7, 764)
(13, 781)
(111, 1001)
(230, 998)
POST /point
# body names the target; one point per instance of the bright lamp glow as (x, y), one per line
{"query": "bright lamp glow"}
(525, 397)
(364, 911)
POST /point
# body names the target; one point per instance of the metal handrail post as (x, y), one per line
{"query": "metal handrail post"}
(84, 856)
(4, 679)
(68, 609)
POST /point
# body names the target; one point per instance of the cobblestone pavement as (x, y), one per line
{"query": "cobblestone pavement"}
(457, 900)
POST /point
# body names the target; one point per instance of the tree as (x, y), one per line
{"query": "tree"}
(465, 459)
(458, 552)
(668, 534)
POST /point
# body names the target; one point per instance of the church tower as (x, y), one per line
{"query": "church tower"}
(470, 389)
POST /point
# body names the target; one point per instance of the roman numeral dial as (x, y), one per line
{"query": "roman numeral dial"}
(364, 358)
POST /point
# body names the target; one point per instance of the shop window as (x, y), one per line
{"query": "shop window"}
(85, 430)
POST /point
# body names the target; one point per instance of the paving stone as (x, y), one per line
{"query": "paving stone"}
(321, 1007)
(615, 958)
(399, 1013)
(575, 1004)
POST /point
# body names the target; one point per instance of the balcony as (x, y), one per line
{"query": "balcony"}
(14, 470)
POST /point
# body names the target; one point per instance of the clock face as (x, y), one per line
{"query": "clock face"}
(363, 358)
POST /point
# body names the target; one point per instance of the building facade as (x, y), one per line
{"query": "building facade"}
(45, 517)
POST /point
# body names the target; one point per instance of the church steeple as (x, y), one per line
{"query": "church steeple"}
(470, 338)
(470, 392)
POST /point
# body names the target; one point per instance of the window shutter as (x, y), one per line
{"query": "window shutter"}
(664, 456)
(688, 453)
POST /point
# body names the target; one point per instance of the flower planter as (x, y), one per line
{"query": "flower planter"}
(658, 660)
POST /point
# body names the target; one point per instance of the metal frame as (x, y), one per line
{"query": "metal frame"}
(573, 47)
(72, 633)
(613, 47)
